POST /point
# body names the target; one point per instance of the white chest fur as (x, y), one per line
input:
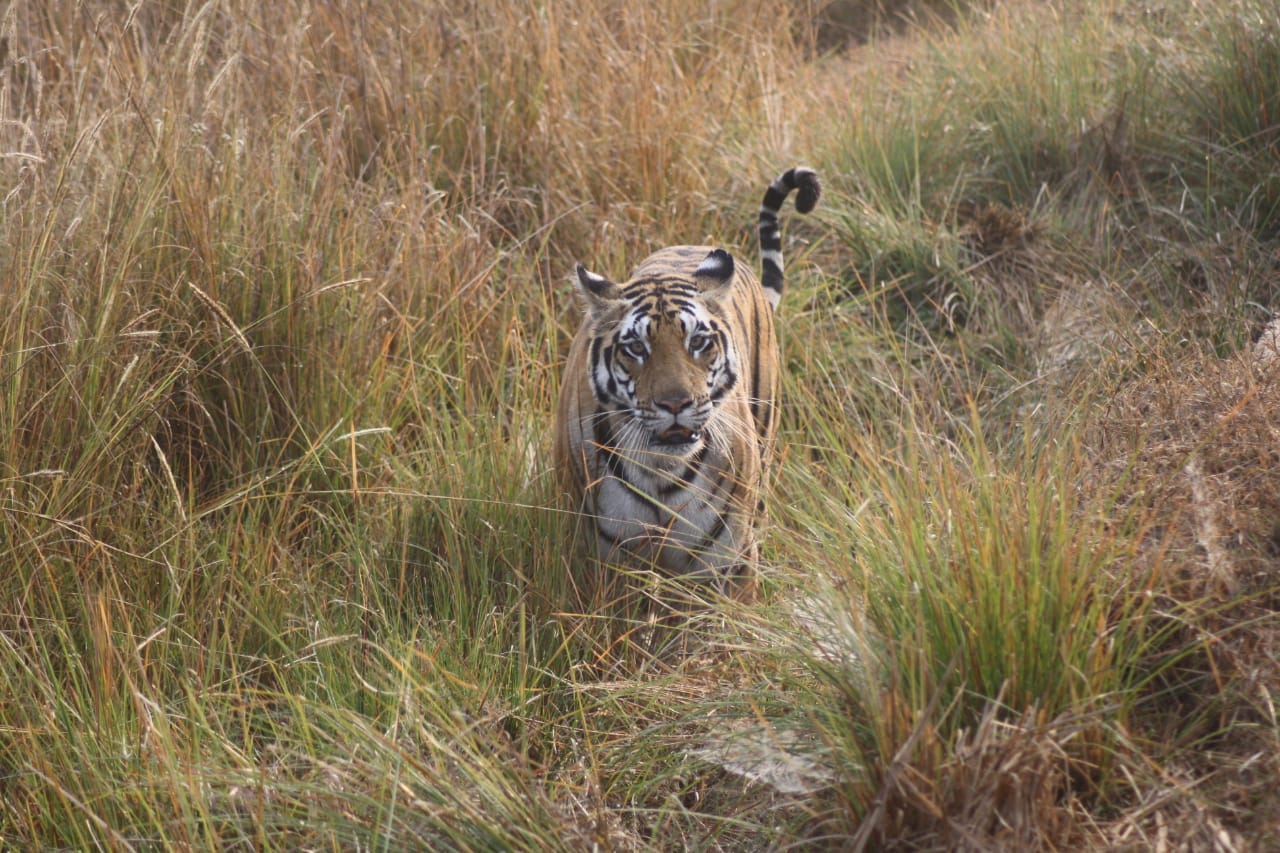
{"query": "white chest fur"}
(679, 522)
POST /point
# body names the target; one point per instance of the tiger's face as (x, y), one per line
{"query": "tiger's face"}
(661, 361)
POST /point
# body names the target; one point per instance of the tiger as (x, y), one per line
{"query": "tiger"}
(668, 409)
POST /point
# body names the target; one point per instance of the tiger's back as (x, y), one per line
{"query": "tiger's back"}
(668, 408)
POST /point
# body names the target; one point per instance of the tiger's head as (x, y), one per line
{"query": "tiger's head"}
(662, 360)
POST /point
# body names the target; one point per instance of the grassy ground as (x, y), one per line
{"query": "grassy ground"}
(284, 301)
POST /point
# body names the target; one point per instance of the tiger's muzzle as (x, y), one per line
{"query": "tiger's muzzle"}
(675, 422)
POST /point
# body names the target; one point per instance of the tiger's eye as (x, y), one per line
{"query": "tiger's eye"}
(635, 348)
(698, 343)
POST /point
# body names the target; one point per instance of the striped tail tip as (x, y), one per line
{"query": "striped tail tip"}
(809, 189)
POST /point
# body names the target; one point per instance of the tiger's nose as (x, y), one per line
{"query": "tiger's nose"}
(674, 405)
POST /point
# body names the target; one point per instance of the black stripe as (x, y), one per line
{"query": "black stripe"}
(730, 382)
(742, 324)
(741, 318)
(606, 446)
(764, 425)
(687, 477)
(674, 279)
(757, 354)
(613, 463)
(806, 181)
(710, 538)
(593, 358)
(721, 508)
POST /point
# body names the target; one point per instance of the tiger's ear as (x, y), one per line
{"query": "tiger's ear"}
(715, 271)
(597, 291)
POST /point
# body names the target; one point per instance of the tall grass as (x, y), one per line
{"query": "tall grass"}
(282, 320)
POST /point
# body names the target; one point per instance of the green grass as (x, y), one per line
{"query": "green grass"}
(285, 301)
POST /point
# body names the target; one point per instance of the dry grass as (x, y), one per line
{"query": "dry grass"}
(283, 306)
(1199, 434)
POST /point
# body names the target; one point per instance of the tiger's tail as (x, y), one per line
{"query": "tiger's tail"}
(806, 181)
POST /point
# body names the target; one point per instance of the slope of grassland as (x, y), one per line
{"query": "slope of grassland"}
(283, 304)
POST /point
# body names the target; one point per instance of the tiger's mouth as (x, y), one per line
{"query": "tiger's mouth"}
(677, 437)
